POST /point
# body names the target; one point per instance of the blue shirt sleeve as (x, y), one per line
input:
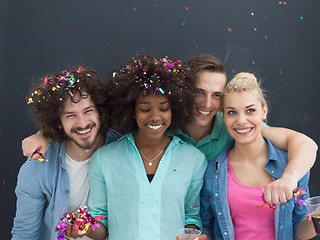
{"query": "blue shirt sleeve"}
(206, 212)
(30, 203)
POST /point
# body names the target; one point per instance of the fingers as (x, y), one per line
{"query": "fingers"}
(279, 191)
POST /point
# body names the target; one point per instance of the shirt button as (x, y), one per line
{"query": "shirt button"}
(281, 227)
(217, 194)
(214, 203)
(283, 207)
(225, 233)
(219, 213)
(67, 191)
(272, 171)
(216, 176)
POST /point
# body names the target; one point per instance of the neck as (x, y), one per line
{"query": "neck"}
(197, 132)
(250, 152)
(79, 154)
(146, 143)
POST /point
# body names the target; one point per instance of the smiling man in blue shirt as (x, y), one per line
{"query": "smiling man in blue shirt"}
(69, 108)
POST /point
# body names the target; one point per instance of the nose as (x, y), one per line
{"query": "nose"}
(207, 101)
(242, 118)
(155, 116)
(82, 121)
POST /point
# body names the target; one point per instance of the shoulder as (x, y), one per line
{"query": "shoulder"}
(112, 135)
(184, 146)
(115, 146)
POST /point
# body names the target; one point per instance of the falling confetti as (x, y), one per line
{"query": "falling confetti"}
(229, 29)
(186, 8)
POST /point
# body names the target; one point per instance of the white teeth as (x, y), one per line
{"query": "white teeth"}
(154, 127)
(203, 112)
(244, 130)
(84, 131)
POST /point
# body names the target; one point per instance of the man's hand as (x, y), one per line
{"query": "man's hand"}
(31, 144)
(281, 190)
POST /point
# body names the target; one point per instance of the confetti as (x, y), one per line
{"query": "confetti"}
(229, 29)
(37, 151)
(186, 8)
(75, 220)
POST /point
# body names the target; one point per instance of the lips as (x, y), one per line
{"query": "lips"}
(154, 127)
(243, 130)
(84, 131)
(205, 113)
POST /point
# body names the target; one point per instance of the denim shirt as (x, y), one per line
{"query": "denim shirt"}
(214, 210)
(43, 193)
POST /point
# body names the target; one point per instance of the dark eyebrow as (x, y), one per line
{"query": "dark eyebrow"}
(252, 105)
(230, 107)
(143, 102)
(85, 109)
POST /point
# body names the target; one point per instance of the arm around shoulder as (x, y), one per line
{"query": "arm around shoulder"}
(302, 152)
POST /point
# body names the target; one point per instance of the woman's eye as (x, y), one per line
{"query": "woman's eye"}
(144, 110)
(164, 109)
(231, 112)
(251, 110)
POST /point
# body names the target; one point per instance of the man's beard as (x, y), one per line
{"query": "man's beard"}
(84, 143)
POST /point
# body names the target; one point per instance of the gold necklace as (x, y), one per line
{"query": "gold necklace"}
(151, 160)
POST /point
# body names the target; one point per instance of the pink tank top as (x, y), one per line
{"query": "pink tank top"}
(249, 220)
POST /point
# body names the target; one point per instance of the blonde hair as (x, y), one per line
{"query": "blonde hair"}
(245, 81)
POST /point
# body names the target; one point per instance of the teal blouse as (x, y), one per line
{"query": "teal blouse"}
(137, 209)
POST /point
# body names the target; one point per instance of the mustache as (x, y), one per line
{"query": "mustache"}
(76, 129)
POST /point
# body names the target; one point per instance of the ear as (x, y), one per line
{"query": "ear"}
(60, 126)
(265, 112)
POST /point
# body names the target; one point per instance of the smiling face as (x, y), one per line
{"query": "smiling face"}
(81, 123)
(243, 115)
(209, 87)
(153, 115)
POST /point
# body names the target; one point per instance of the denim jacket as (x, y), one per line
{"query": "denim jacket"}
(214, 210)
(43, 193)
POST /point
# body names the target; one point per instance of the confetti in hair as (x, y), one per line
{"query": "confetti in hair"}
(63, 82)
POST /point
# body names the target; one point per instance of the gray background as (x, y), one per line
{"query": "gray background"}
(277, 42)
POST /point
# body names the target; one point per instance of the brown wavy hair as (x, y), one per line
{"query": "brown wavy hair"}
(205, 62)
(48, 95)
(143, 75)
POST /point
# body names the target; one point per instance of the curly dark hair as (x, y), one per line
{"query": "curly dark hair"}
(46, 99)
(144, 75)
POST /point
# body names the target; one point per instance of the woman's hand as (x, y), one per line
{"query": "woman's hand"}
(200, 237)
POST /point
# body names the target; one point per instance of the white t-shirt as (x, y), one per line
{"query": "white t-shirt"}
(79, 184)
